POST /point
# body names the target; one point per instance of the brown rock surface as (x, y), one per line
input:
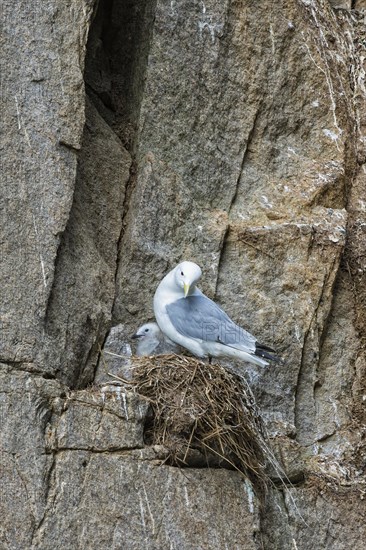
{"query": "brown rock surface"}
(229, 133)
(137, 506)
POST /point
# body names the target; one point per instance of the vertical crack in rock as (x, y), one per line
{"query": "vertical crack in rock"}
(335, 370)
(23, 480)
(125, 207)
(305, 402)
(222, 249)
(245, 155)
(115, 72)
(50, 497)
(80, 306)
(226, 233)
(115, 66)
(63, 493)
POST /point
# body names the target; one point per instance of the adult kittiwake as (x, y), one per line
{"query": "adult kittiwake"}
(151, 341)
(186, 316)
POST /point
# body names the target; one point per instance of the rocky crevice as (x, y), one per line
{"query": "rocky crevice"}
(306, 404)
(115, 67)
(88, 256)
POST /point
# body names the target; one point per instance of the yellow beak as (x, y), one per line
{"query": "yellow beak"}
(186, 289)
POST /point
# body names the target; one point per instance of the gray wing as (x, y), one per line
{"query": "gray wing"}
(199, 317)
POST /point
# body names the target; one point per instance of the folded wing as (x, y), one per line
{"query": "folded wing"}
(199, 317)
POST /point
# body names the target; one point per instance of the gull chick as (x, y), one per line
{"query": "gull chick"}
(151, 341)
(186, 316)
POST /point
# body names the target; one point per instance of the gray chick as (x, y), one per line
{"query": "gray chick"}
(151, 341)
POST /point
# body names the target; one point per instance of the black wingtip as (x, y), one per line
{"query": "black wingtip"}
(263, 347)
(262, 351)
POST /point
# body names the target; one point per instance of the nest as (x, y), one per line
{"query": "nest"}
(201, 407)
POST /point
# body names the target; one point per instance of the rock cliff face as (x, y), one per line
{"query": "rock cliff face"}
(138, 133)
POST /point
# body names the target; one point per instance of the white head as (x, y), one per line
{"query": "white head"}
(186, 275)
(147, 331)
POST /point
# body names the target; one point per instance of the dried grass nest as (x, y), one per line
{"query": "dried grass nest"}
(198, 406)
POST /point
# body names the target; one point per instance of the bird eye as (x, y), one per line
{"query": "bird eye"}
(182, 273)
(146, 330)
